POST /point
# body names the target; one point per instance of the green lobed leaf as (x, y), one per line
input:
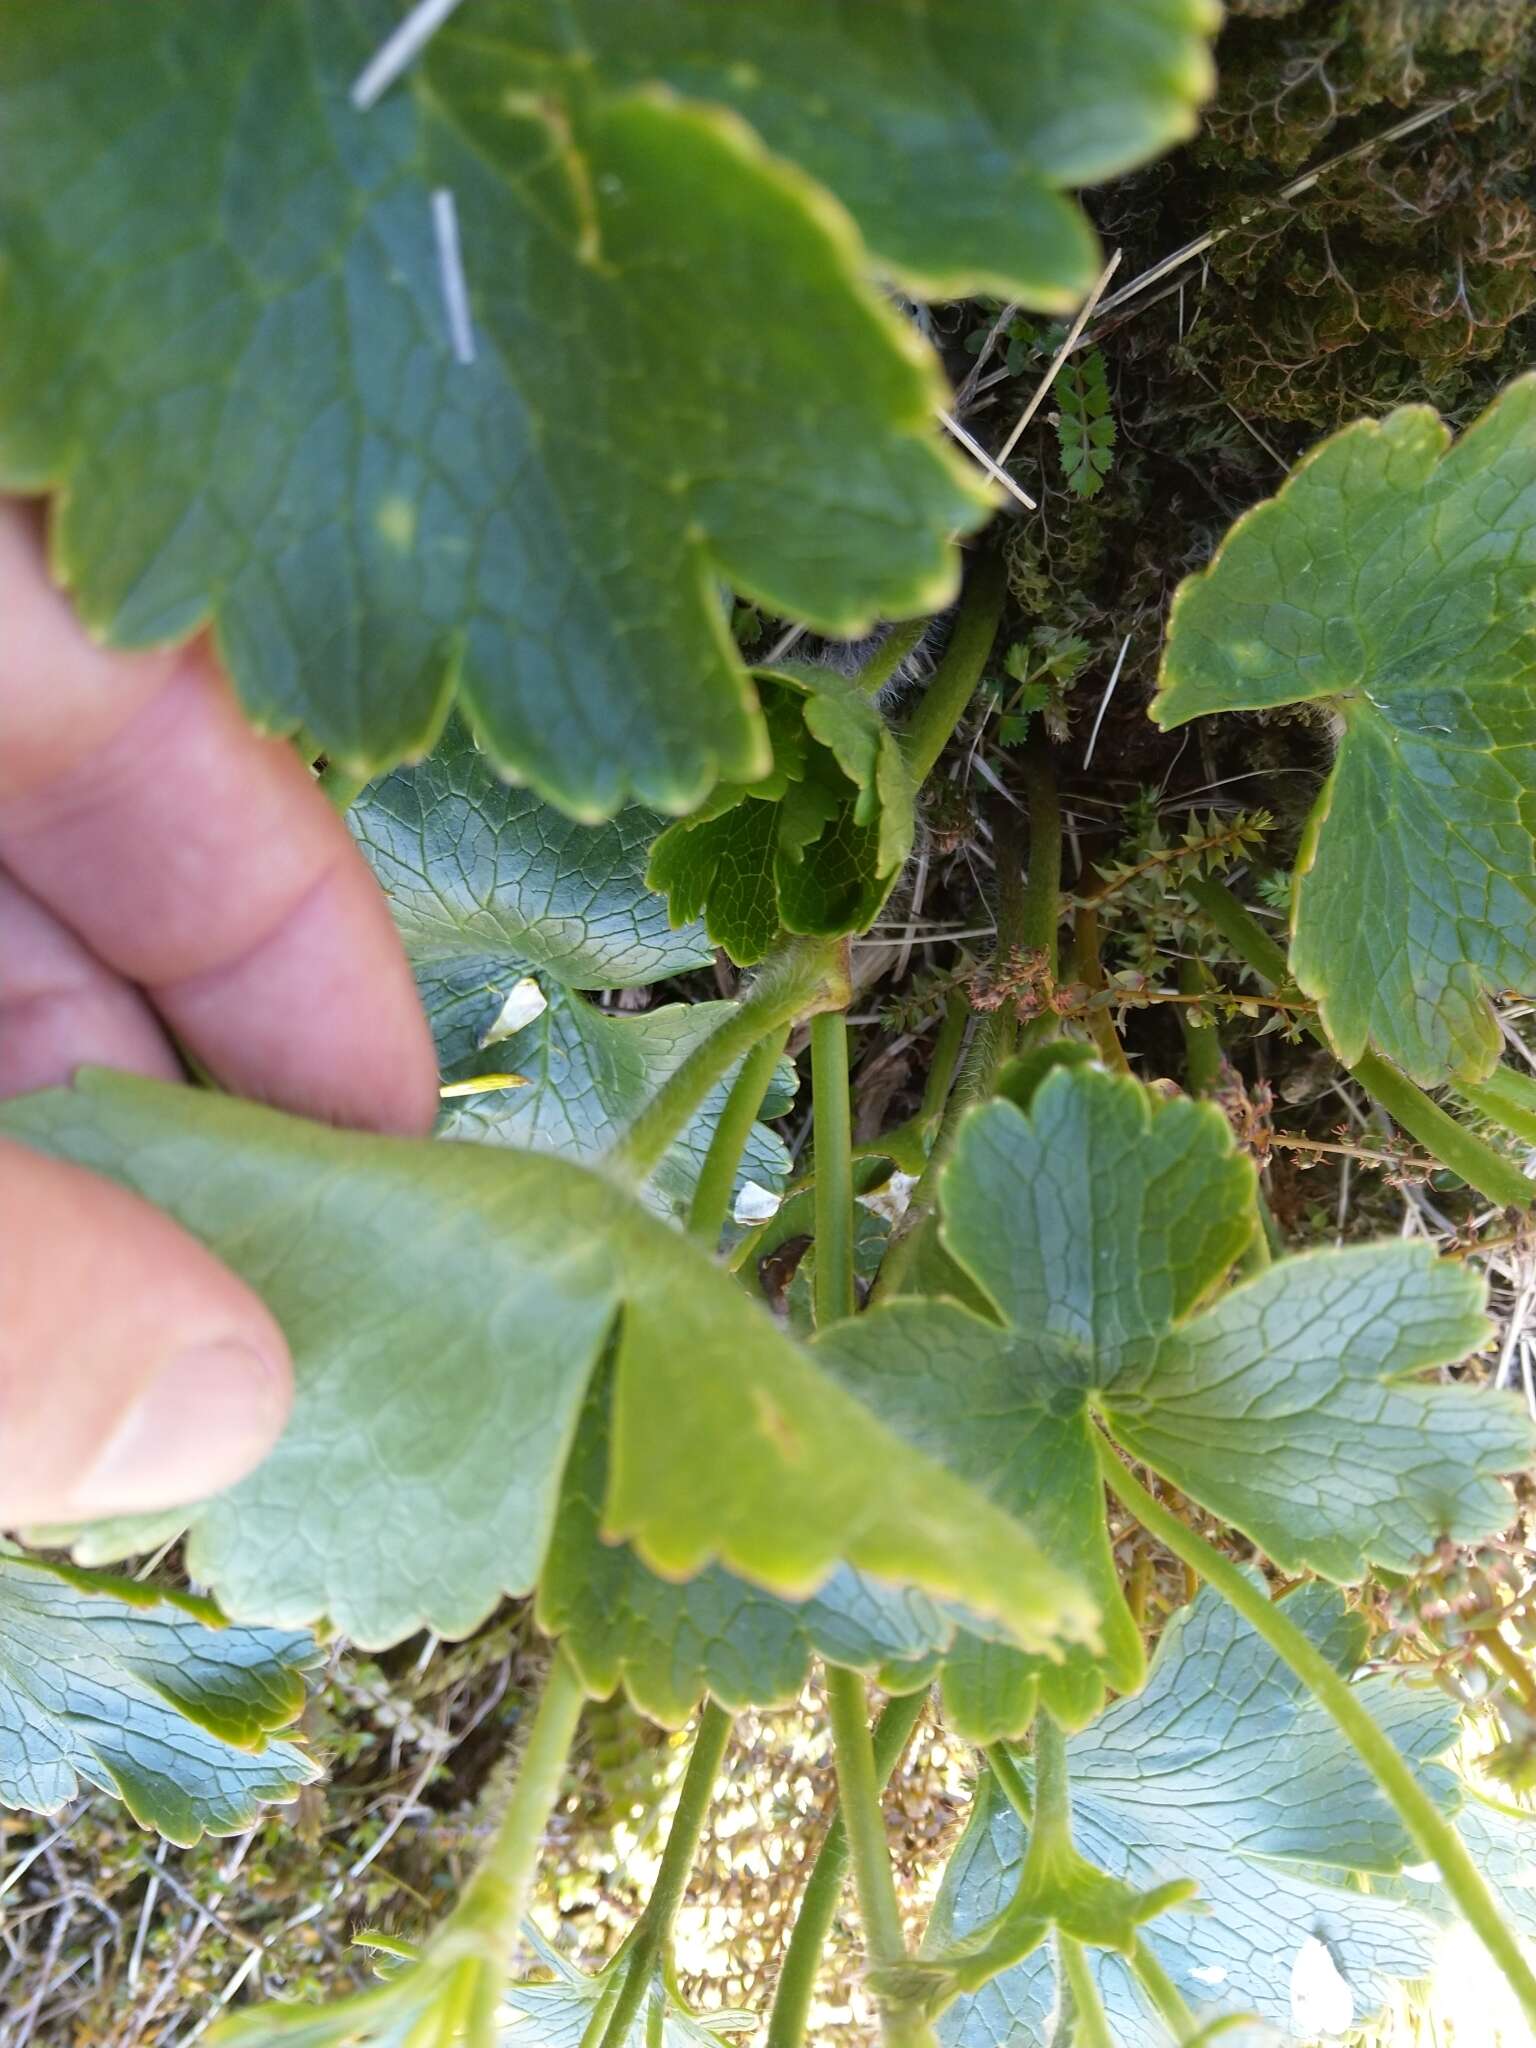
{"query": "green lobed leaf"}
(497, 895)
(670, 1644)
(477, 871)
(140, 1692)
(725, 868)
(1393, 579)
(1224, 1770)
(949, 131)
(225, 340)
(1100, 1226)
(446, 1306)
(816, 845)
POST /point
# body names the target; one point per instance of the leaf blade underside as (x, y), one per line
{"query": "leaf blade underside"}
(133, 1691)
(1101, 1226)
(446, 1306)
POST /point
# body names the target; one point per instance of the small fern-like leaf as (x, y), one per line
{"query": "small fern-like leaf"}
(1085, 425)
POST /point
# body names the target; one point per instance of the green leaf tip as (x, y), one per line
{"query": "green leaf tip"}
(571, 420)
(540, 530)
(954, 171)
(1393, 579)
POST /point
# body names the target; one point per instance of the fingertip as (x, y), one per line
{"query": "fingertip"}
(202, 863)
(136, 1371)
(322, 1017)
(206, 1416)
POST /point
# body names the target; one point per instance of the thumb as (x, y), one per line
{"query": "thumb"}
(136, 1372)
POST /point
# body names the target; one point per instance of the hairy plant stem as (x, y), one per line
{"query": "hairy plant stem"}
(1039, 918)
(1028, 916)
(1088, 969)
(957, 675)
(858, 1787)
(653, 1934)
(1028, 919)
(908, 1144)
(801, 978)
(1479, 1165)
(1091, 2025)
(831, 1107)
(466, 1959)
(1433, 1833)
(890, 654)
(498, 1891)
(1202, 1041)
(596, 2027)
(712, 1196)
(945, 1060)
(790, 2017)
(1053, 1798)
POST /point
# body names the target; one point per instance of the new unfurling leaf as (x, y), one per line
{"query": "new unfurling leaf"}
(814, 847)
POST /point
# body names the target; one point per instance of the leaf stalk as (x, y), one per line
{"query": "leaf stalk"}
(957, 675)
(653, 1934)
(801, 978)
(890, 654)
(790, 2017)
(831, 1107)
(717, 1177)
(859, 1785)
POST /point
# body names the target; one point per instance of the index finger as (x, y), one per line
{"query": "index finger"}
(200, 861)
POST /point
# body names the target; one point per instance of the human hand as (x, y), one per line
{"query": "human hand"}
(163, 871)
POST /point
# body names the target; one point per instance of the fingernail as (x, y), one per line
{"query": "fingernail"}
(205, 1420)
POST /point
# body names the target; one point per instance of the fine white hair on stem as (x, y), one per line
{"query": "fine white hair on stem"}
(399, 51)
(450, 265)
(790, 637)
(1109, 691)
(974, 448)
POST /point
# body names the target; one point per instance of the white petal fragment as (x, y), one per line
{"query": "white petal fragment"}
(1321, 2000)
(756, 1204)
(526, 1002)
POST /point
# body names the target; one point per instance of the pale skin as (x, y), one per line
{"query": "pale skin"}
(168, 878)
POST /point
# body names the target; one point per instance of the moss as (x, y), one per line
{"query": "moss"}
(1406, 274)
